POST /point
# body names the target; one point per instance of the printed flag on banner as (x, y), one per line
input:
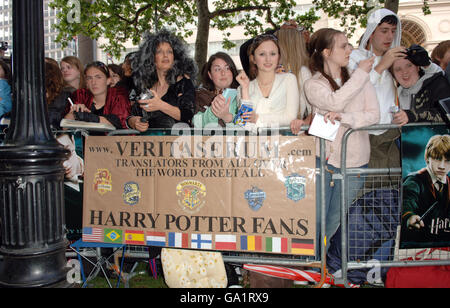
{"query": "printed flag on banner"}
(303, 247)
(276, 244)
(178, 240)
(201, 241)
(134, 237)
(225, 242)
(156, 239)
(92, 234)
(113, 236)
(251, 243)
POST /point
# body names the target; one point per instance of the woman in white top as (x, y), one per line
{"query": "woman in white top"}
(275, 97)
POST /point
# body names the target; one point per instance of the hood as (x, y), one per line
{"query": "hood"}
(372, 22)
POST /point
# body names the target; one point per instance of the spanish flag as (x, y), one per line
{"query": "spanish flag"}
(134, 237)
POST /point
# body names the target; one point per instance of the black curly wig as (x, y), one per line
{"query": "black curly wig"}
(143, 64)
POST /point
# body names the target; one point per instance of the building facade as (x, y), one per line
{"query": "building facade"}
(52, 49)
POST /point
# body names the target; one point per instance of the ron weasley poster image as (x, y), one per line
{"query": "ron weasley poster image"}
(425, 220)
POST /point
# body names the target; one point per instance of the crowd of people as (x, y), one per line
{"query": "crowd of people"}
(288, 76)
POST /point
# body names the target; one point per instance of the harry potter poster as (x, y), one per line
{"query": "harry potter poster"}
(425, 217)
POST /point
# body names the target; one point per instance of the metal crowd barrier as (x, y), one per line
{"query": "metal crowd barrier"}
(390, 256)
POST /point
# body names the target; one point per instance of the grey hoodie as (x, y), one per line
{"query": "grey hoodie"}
(383, 83)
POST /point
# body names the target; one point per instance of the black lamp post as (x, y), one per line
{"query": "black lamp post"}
(31, 168)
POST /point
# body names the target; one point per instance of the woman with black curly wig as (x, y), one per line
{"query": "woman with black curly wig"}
(163, 66)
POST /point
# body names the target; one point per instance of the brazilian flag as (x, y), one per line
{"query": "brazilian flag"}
(113, 236)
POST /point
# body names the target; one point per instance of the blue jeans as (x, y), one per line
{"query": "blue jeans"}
(333, 198)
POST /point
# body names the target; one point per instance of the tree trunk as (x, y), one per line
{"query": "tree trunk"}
(86, 49)
(201, 43)
(392, 5)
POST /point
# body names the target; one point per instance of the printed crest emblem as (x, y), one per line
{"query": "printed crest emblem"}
(102, 181)
(131, 193)
(255, 198)
(190, 194)
(296, 187)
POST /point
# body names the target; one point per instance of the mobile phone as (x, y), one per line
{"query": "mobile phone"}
(229, 94)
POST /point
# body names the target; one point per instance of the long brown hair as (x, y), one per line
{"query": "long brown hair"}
(321, 40)
(74, 61)
(54, 81)
(294, 54)
(253, 71)
(293, 49)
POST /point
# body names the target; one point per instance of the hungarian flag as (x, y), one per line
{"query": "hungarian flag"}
(277, 244)
(134, 237)
(225, 242)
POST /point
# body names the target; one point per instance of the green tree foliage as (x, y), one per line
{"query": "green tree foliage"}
(121, 20)
(353, 13)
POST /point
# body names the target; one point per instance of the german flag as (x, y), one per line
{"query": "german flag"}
(302, 247)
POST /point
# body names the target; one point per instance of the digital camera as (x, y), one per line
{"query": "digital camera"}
(4, 46)
(146, 95)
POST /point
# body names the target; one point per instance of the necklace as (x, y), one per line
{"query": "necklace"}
(266, 88)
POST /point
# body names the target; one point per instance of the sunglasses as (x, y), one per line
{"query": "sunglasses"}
(293, 25)
(99, 65)
(265, 37)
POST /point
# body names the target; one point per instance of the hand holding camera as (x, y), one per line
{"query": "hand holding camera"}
(399, 116)
(146, 95)
(86, 117)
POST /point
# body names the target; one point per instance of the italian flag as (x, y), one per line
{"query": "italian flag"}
(277, 244)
